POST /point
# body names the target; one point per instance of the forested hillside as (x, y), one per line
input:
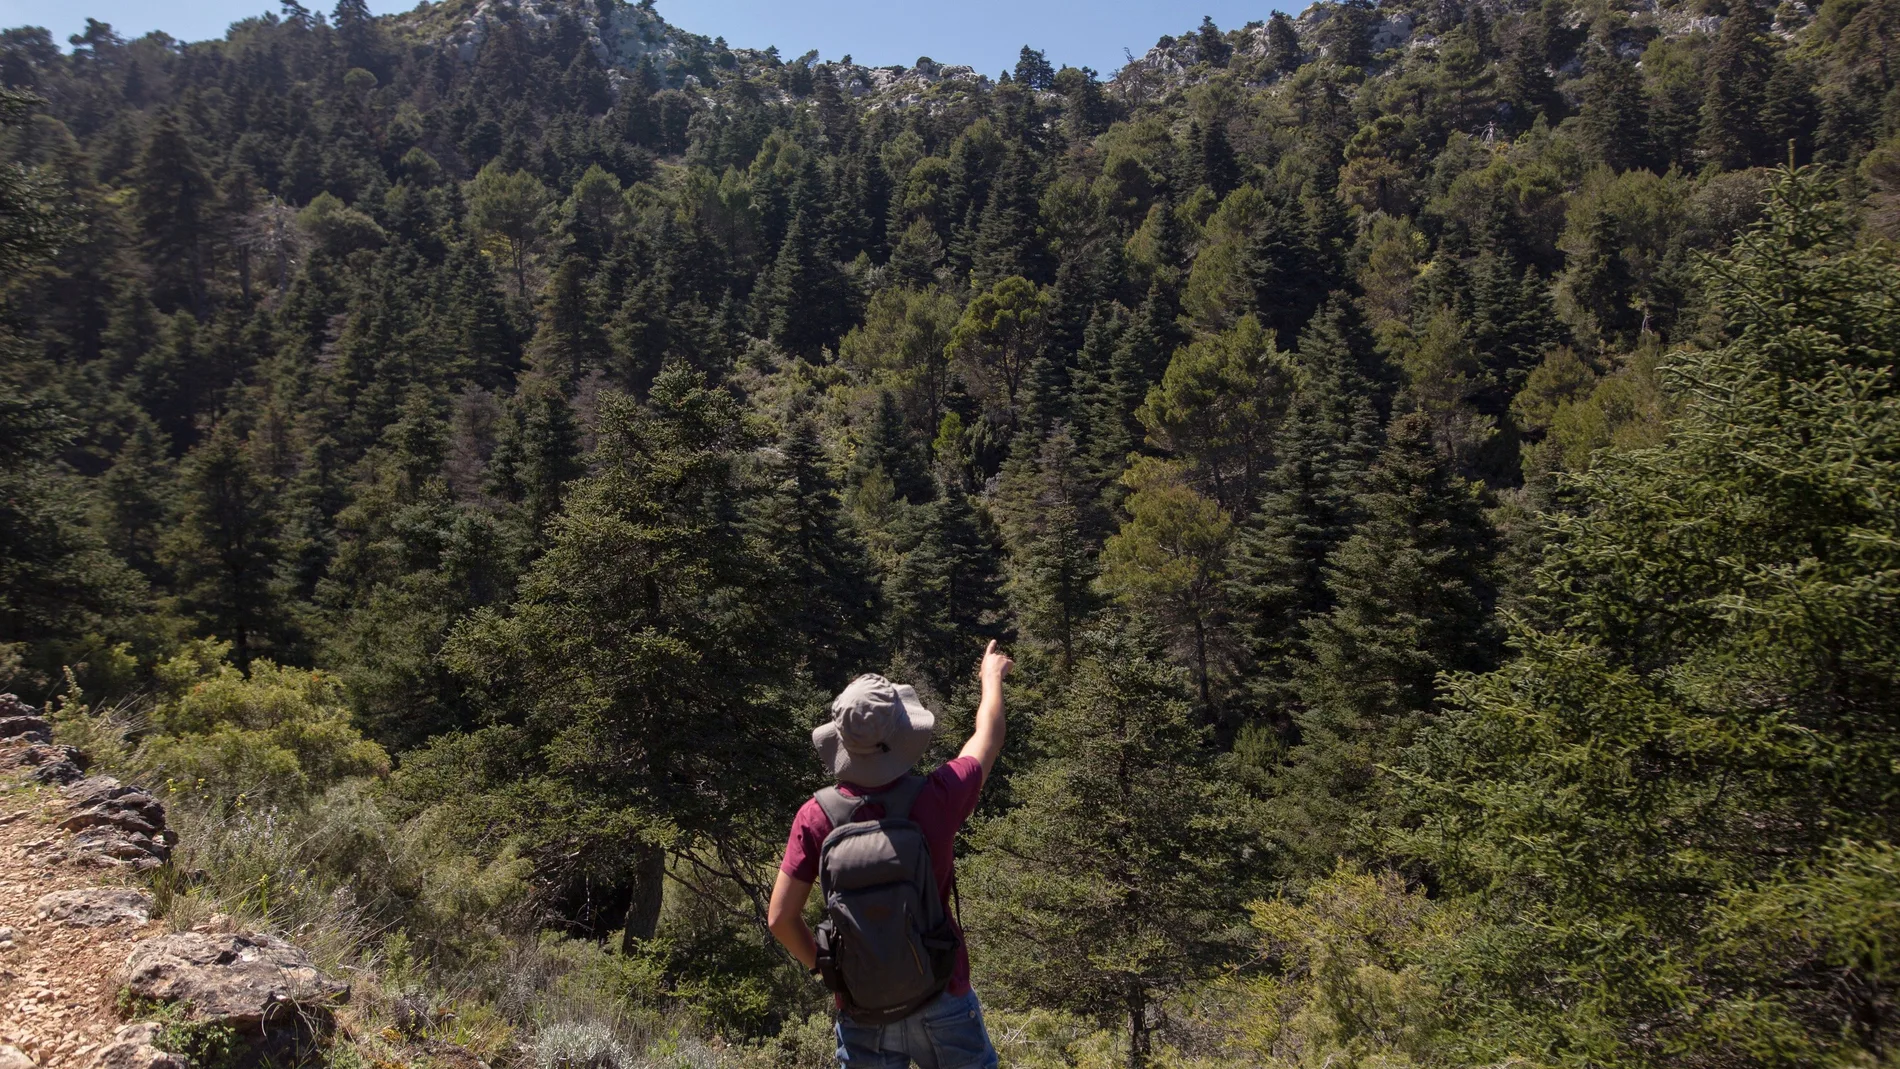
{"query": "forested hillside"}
(1436, 464)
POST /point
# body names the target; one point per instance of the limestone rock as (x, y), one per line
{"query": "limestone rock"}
(136, 1047)
(8, 938)
(245, 981)
(15, 1058)
(96, 907)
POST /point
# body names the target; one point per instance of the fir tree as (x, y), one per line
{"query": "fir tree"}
(1615, 112)
(832, 602)
(647, 601)
(1737, 72)
(1110, 884)
(945, 594)
(224, 546)
(174, 202)
(1410, 598)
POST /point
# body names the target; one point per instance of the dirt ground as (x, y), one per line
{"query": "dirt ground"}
(57, 983)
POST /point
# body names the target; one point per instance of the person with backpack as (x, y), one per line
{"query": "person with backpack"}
(880, 846)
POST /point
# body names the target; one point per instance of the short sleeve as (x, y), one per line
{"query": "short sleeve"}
(961, 780)
(809, 829)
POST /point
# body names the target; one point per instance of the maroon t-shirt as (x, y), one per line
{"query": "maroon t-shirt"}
(947, 800)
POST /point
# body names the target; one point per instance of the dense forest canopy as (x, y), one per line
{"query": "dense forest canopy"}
(1435, 462)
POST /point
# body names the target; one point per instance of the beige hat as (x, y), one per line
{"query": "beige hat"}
(878, 730)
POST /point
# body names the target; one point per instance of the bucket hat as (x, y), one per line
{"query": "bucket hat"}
(878, 730)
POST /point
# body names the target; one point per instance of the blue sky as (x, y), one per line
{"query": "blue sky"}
(983, 33)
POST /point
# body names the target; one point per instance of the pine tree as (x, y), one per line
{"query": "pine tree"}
(1411, 598)
(1169, 560)
(1217, 406)
(1112, 881)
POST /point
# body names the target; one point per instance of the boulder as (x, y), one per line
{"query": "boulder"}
(42, 762)
(96, 907)
(136, 1047)
(111, 847)
(30, 726)
(114, 824)
(244, 981)
(15, 1058)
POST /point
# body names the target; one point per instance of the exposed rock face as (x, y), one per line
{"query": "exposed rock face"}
(96, 907)
(42, 762)
(136, 1047)
(247, 981)
(19, 720)
(113, 824)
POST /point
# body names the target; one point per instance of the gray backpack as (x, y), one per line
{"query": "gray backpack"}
(886, 946)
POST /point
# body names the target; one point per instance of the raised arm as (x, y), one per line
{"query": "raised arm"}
(986, 742)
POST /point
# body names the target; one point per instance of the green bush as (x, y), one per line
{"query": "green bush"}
(274, 735)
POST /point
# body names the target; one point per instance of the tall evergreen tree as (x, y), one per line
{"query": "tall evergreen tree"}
(1411, 597)
(648, 601)
(173, 205)
(1109, 885)
(224, 547)
(833, 605)
(1737, 73)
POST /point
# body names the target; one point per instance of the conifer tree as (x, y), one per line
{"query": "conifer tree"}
(1054, 524)
(1283, 44)
(1411, 597)
(224, 546)
(1615, 111)
(649, 600)
(537, 454)
(945, 594)
(1170, 560)
(174, 202)
(1111, 883)
(1737, 72)
(832, 603)
(807, 296)
(1682, 741)
(1217, 406)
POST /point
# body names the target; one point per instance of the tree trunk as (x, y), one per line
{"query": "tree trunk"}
(649, 891)
(1137, 1029)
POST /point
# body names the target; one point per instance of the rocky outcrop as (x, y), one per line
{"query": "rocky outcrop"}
(246, 981)
(27, 748)
(96, 907)
(136, 1046)
(116, 825)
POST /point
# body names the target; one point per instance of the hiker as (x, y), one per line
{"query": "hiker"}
(880, 843)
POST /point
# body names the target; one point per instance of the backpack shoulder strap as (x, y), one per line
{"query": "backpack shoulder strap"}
(898, 800)
(840, 808)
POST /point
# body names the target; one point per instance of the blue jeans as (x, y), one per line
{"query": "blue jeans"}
(946, 1034)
